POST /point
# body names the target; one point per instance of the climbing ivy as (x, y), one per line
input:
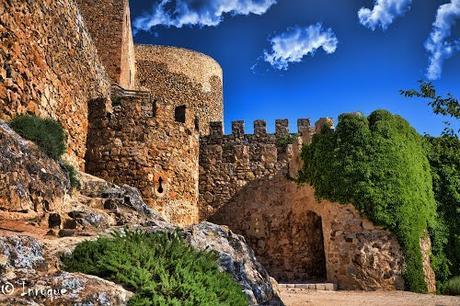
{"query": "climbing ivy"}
(379, 164)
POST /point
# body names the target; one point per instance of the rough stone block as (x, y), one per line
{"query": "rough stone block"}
(260, 127)
(281, 127)
(238, 128)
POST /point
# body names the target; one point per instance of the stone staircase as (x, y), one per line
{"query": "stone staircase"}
(310, 286)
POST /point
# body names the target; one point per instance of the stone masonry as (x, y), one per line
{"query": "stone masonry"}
(49, 66)
(140, 144)
(177, 77)
(109, 22)
(247, 183)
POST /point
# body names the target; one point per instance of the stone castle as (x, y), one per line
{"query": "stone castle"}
(151, 117)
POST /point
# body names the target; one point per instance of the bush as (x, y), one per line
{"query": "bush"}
(48, 134)
(72, 173)
(379, 164)
(160, 268)
(452, 286)
(444, 157)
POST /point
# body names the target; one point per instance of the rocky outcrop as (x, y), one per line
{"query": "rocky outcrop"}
(238, 259)
(31, 184)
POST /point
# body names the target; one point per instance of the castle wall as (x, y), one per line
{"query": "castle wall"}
(49, 66)
(182, 77)
(140, 144)
(109, 22)
(246, 183)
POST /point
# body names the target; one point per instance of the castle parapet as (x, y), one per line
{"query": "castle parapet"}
(216, 131)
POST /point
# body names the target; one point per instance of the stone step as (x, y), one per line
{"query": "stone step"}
(311, 286)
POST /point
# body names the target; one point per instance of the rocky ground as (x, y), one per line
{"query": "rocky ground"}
(297, 297)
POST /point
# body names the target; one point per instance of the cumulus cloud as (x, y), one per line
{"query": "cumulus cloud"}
(437, 45)
(178, 13)
(383, 13)
(295, 43)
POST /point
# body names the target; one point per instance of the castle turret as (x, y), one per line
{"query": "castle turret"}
(182, 78)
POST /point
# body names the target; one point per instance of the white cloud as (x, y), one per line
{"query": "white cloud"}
(295, 43)
(437, 45)
(178, 13)
(383, 13)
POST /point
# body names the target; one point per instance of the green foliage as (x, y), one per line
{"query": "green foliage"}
(379, 164)
(160, 268)
(446, 106)
(47, 133)
(72, 173)
(286, 140)
(444, 157)
(452, 286)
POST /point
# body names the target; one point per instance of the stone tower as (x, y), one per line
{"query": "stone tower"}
(109, 23)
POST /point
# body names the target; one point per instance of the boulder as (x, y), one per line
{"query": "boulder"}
(238, 259)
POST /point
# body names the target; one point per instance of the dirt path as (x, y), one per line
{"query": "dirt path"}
(298, 297)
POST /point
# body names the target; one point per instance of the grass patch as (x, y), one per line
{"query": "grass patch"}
(47, 133)
(379, 164)
(160, 268)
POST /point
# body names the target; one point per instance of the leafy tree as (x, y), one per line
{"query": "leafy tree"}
(379, 164)
(446, 106)
(444, 158)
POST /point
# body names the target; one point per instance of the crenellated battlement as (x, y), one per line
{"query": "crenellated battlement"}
(216, 130)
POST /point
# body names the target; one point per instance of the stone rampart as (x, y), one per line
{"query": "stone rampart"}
(229, 162)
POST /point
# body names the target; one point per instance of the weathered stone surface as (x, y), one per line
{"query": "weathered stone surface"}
(132, 145)
(236, 258)
(37, 260)
(109, 22)
(49, 66)
(19, 256)
(277, 218)
(31, 184)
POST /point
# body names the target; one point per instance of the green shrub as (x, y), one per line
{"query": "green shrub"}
(72, 173)
(160, 268)
(48, 134)
(379, 164)
(444, 157)
(452, 286)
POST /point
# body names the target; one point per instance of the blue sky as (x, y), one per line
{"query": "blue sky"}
(307, 58)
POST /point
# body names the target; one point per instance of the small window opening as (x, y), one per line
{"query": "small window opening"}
(197, 123)
(154, 108)
(179, 113)
(160, 185)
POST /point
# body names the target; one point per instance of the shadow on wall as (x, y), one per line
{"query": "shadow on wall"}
(288, 243)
